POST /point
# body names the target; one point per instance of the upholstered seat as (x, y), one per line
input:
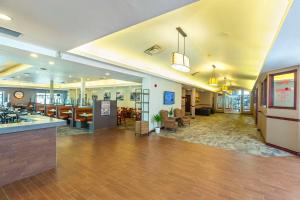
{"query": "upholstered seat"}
(168, 123)
(178, 113)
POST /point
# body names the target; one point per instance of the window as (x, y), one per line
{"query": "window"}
(263, 93)
(283, 92)
(1, 98)
(45, 98)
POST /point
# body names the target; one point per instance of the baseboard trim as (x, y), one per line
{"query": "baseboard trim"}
(283, 149)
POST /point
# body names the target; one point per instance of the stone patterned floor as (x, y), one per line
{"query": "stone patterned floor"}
(227, 131)
(66, 131)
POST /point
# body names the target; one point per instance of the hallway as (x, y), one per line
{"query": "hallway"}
(227, 131)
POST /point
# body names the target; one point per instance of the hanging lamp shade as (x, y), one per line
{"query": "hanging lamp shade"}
(213, 81)
(224, 87)
(180, 62)
(229, 91)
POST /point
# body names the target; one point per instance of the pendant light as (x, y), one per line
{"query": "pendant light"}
(213, 79)
(230, 88)
(180, 61)
(224, 87)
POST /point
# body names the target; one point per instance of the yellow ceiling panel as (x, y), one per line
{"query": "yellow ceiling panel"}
(233, 35)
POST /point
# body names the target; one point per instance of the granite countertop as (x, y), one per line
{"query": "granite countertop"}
(31, 122)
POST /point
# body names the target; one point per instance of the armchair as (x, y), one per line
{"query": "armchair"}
(184, 119)
(168, 123)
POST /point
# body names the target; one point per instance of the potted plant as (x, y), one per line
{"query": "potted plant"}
(171, 112)
(157, 118)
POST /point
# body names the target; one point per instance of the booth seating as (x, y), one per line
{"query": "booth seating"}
(40, 108)
(51, 111)
(61, 112)
(167, 122)
(185, 120)
(202, 111)
(80, 120)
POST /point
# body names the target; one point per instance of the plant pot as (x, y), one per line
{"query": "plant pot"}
(157, 130)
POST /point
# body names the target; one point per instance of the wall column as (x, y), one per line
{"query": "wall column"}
(51, 92)
(193, 102)
(82, 91)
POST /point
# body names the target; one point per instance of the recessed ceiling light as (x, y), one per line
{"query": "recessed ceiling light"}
(26, 74)
(5, 17)
(107, 74)
(51, 63)
(34, 55)
(70, 76)
(42, 68)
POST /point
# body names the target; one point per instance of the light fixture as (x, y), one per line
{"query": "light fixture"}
(180, 61)
(51, 63)
(213, 81)
(107, 74)
(5, 17)
(34, 55)
(70, 76)
(229, 91)
(224, 87)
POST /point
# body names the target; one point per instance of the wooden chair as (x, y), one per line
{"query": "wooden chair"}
(178, 113)
(167, 122)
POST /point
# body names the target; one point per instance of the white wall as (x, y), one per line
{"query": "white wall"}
(157, 87)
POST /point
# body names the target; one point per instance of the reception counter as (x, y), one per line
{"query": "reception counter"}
(27, 147)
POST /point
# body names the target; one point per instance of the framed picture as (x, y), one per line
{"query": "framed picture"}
(169, 98)
(106, 96)
(105, 108)
(135, 96)
(119, 96)
(283, 90)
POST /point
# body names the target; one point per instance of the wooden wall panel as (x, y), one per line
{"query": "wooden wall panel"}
(27, 153)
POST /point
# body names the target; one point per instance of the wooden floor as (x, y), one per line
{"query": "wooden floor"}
(114, 164)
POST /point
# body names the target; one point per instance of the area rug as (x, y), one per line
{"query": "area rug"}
(227, 131)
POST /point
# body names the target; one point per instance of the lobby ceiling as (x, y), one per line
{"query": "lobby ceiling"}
(286, 49)
(233, 35)
(65, 24)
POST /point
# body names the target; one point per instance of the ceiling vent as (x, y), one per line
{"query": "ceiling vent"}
(9, 32)
(153, 50)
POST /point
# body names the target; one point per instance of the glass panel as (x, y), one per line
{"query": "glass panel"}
(220, 101)
(246, 101)
(233, 102)
(1, 98)
(283, 90)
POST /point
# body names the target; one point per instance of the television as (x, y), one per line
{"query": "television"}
(169, 98)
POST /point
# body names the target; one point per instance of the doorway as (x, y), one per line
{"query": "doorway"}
(233, 102)
(188, 103)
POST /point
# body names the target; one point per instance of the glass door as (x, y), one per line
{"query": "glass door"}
(233, 102)
(246, 101)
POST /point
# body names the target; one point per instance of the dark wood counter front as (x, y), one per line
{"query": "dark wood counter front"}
(26, 153)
